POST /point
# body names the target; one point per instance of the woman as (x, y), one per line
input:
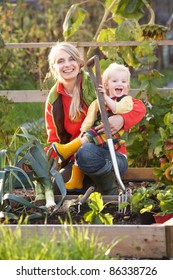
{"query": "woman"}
(68, 100)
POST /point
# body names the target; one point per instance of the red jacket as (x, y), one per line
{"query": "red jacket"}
(132, 118)
(59, 127)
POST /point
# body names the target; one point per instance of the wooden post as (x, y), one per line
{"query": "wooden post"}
(169, 238)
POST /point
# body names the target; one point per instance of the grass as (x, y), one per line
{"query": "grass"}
(73, 244)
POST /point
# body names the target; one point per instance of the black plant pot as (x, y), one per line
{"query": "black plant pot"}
(146, 218)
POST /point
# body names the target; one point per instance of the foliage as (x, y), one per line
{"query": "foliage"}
(72, 244)
(145, 136)
(96, 214)
(155, 198)
(30, 158)
(101, 21)
(165, 198)
(144, 199)
(164, 151)
(120, 22)
(74, 18)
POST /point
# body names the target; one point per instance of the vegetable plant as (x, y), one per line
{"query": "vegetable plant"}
(165, 198)
(144, 199)
(96, 215)
(32, 156)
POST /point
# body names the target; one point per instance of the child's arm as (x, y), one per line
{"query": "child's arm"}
(125, 105)
(90, 117)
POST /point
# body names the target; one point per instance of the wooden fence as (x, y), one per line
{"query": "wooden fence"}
(40, 95)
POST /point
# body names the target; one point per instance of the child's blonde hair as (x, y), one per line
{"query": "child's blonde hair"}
(75, 107)
(115, 67)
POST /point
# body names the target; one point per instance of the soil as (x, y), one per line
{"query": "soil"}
(68, 212)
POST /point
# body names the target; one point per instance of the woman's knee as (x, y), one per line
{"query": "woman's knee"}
(89, 158)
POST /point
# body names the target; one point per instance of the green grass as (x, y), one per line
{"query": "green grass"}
(73, 244)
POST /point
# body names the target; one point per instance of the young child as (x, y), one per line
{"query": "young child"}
(115, 88)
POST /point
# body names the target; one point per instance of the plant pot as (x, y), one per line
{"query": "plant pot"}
(161, 219)
(146, 218)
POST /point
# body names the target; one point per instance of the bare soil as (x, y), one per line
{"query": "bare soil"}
(68, 212)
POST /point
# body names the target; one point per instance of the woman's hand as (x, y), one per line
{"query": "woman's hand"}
(116, 123)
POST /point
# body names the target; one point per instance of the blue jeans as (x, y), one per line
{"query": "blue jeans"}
(95, 161)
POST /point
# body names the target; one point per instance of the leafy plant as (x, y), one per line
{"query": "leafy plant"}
(144, 199)
(165, 198)
(164, 151)
(30, 156)
(96, 214)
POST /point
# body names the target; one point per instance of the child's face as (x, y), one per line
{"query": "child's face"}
(117, 84)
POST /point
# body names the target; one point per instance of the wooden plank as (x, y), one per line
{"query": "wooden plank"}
(32, 45)
(138, 241)
(25, 95)
(40, 95)
(139, 173)
(169, 238)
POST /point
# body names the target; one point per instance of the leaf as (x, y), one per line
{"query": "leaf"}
(89, 216)
(96, 202)
(74, 18)
(106, 219)
(130, 8)
(3, 158)
(148, 208)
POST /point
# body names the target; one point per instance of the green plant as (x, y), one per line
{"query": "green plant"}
(96, 214)
(72, 244)
(144, 199)
(165, 198)
(164, 151)
(32, 156)
(126, 15)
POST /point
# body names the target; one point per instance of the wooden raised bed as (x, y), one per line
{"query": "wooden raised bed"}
(135, 241)
(139, 174)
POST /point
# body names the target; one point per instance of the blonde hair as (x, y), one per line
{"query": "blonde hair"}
(115, 67)
(76, 106)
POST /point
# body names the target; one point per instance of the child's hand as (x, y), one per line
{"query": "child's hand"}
(101, 89)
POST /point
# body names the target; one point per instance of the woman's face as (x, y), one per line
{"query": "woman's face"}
(65, 66)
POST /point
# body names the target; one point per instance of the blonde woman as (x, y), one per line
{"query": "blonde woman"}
(68, 100)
